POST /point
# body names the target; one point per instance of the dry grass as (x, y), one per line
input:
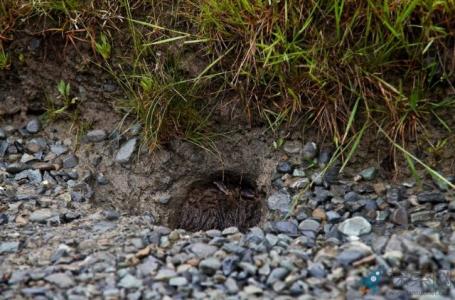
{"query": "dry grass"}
(340, 65)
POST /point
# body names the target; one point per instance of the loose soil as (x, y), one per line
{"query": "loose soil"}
(179, 171)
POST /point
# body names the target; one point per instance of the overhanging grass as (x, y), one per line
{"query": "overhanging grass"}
(322, 61)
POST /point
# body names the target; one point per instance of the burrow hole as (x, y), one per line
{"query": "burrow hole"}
(221, 200)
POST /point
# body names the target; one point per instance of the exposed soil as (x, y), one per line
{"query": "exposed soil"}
(179, 171)
(30, 85)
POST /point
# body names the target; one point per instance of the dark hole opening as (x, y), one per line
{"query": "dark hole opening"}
(220, 201)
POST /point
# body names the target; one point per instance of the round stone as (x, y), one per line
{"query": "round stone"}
(310, 225)
(33, 126)
(355, 226)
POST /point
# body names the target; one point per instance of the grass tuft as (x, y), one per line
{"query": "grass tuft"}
(338, 65)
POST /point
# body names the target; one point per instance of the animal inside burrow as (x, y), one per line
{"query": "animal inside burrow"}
(219, 205)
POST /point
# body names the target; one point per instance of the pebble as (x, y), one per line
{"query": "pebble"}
(286, 227)
(9, 247)
(41, 215)
(276, 275)
(324, 157)
(36, 145)
(331, 176)
(130, 282)
(352, 197)
(317, 270)
(333, 216)
(298, 173)
(355, 226)
(95, 136)
(61, 280)
(2, 134)
(393, 196)
(33, 126)
(70, 161)
(111, 215)
(319, 214)
(379, 188)
(400, 216)
(178, 281)
(34, 176)
(279, 201)
(310, 150)
(58, 149)
(310, 225)
(422, 216)
(165, 274)
(3, 219)
(126, 151)
(284, 167)
(317, 178)
(300, 183)
(230, 230)
(231, 286)
(347, 257)
(203, 250)
(369, 173)
(102, 180)
(229, 264)
(210, 265)
(292, 147)
(451, 206)
(213, 233)
(431, 197)
(35, 291)
(27, 158)
(253, 290)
